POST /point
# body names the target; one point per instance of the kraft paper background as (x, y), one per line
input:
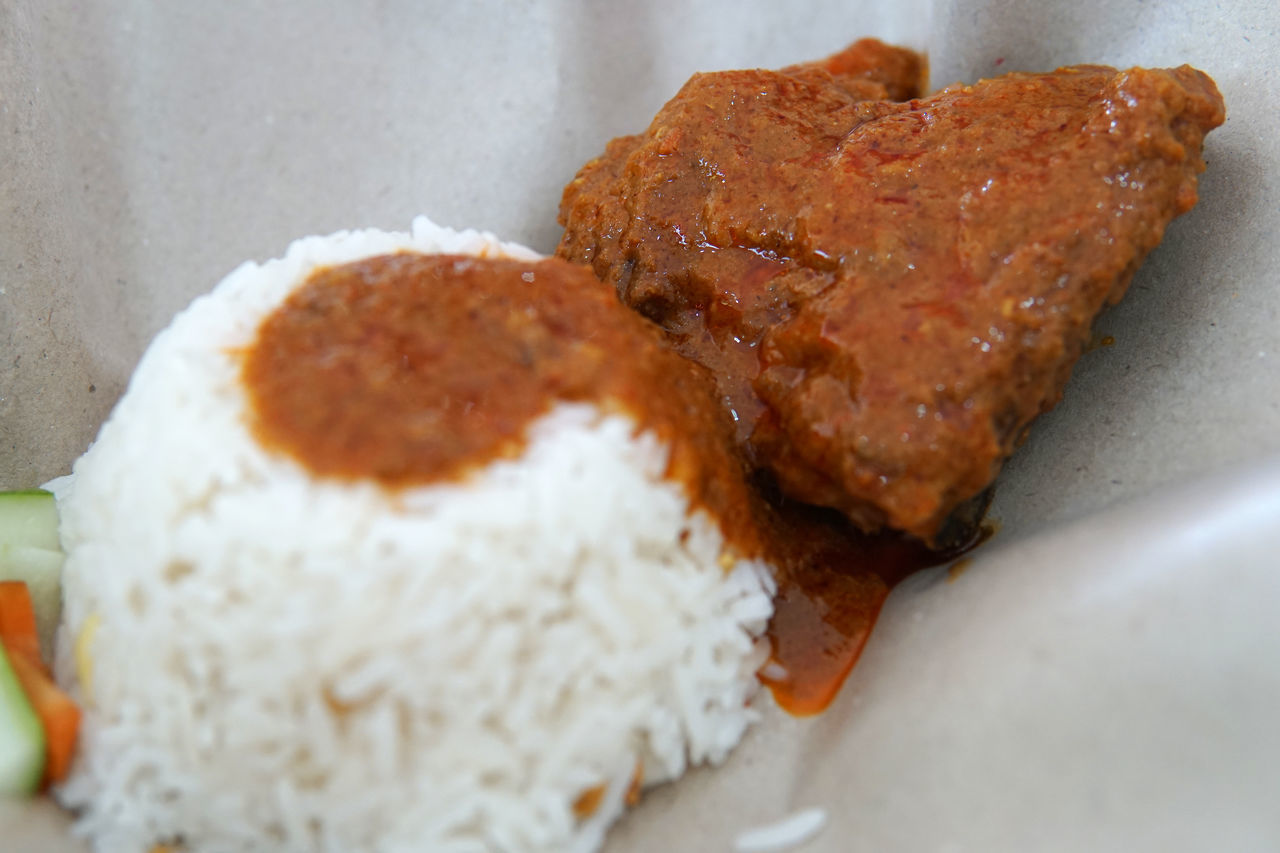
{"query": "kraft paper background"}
(1104, 675)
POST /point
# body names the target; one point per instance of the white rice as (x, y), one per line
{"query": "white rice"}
(287, 664)
(792, 831)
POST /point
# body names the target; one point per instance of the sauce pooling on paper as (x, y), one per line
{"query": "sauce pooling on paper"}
(410, 369)
(832, 582)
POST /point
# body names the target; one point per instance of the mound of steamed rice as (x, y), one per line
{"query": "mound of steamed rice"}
(268, 661)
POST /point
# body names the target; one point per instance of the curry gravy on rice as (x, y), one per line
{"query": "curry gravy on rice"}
(409, 368)
(504, 512)
(405, 541)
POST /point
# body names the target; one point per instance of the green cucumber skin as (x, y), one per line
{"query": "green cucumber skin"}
(29, 552)
(29, 517)
(22, 740)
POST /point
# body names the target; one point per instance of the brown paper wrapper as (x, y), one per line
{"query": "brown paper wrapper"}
(1102, 675)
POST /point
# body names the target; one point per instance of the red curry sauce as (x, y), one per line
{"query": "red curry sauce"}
(456, 356)
(889, 288)
(832, 581)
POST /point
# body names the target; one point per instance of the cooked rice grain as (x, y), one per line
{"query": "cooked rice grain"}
(281, 663)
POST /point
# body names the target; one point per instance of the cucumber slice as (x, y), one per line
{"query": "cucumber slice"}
(22, 743)
(41, 570)
(29, 518)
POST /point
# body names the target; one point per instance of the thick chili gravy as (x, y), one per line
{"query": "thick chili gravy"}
(413, 369)
(889, 289)
(410, 369)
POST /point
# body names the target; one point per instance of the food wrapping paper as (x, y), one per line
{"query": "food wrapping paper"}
(1104, 674)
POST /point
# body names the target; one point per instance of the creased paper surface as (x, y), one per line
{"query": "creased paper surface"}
(1096, 678)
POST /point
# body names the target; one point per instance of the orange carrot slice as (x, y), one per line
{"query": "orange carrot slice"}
(18, 622)
(59, 716)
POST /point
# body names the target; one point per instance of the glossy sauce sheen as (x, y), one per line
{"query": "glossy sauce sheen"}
(410, 369)
(832, 581)
(888, 288)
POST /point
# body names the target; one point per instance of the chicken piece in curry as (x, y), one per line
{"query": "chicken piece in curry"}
(889, 288)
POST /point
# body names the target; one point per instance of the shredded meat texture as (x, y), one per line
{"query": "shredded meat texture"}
(889, 292)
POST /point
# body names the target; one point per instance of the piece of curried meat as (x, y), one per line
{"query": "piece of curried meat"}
(889, 293)
(869, 69)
